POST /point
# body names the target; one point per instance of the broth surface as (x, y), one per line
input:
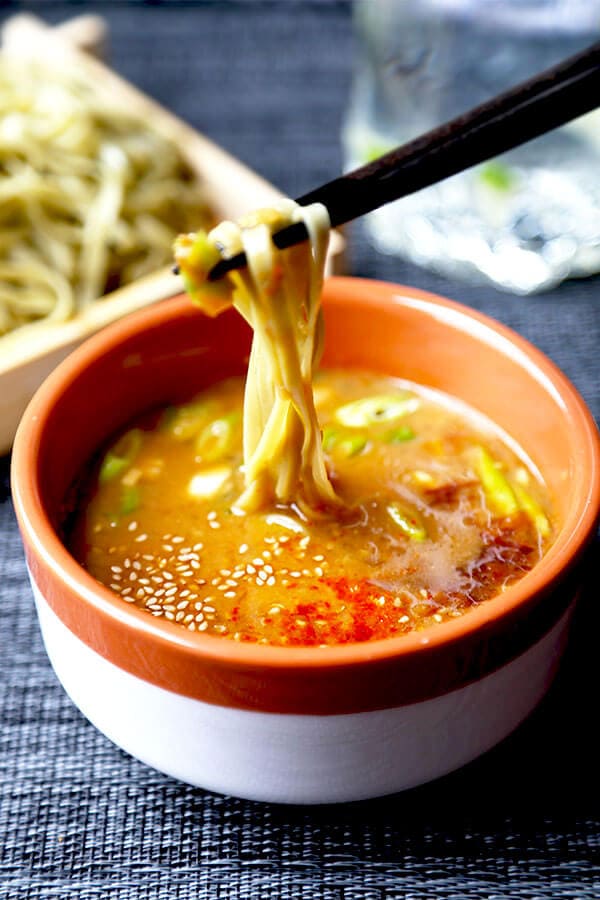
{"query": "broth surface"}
(440, 514)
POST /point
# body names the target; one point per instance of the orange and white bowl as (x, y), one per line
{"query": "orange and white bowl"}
(305, 725)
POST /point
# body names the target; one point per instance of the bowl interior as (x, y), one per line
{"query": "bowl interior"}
(166, 354)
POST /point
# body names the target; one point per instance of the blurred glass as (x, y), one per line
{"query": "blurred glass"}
(524, 221)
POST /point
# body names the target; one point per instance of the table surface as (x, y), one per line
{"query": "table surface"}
(80, 818)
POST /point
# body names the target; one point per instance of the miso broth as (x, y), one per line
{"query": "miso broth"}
(440, 513)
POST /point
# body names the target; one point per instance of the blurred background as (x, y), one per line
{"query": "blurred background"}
(298, 90)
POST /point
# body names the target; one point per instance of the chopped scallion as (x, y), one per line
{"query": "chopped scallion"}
(370, 410)
(408, 521)
(120, 456)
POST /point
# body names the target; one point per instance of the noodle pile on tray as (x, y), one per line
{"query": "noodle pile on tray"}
(90, 196)
(279, 295)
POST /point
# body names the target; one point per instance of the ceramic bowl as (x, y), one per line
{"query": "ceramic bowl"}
(305, 725)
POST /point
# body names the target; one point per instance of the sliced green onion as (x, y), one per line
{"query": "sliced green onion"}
(130, 499)
(120, 456)
(345, 444)
(216, 440)
(370, 410)
(500, 495)
(533, 509)
(400, 435)
(408, 521)
(497, 176)
(189, 419)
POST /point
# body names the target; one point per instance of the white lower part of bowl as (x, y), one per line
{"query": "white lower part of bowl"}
(299, 758)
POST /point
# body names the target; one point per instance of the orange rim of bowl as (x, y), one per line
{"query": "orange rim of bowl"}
(44, 544)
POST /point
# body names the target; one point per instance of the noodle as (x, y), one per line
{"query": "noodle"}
(90, 196)
(279, 296)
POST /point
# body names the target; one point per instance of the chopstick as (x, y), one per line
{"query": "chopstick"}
(530, 109)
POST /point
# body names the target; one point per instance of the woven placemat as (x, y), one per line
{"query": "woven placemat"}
(81, 819)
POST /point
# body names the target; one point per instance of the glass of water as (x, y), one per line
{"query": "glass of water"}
(524, 221)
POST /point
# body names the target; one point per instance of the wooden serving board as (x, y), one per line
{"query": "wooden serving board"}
(28, 356)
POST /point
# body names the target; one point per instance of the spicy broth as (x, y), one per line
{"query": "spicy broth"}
(441, 512)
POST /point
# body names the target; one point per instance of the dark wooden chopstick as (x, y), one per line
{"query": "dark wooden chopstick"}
(530, 109)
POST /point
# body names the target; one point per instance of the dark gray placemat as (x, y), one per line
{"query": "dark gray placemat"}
(78, 817)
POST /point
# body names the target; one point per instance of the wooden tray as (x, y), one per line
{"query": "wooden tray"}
(231, 188)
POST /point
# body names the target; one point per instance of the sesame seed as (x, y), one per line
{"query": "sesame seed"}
(229, 594)
(318, 571)
(403, 619)
(170, 616)
(211, 516)
(243, 548)
(319, 557)
(214, 525)
(271, 580)
(209, 609)
(250, 570)
(141, 538)
(183, 605)
(203, 626)
(258, 562)
(132, 526)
